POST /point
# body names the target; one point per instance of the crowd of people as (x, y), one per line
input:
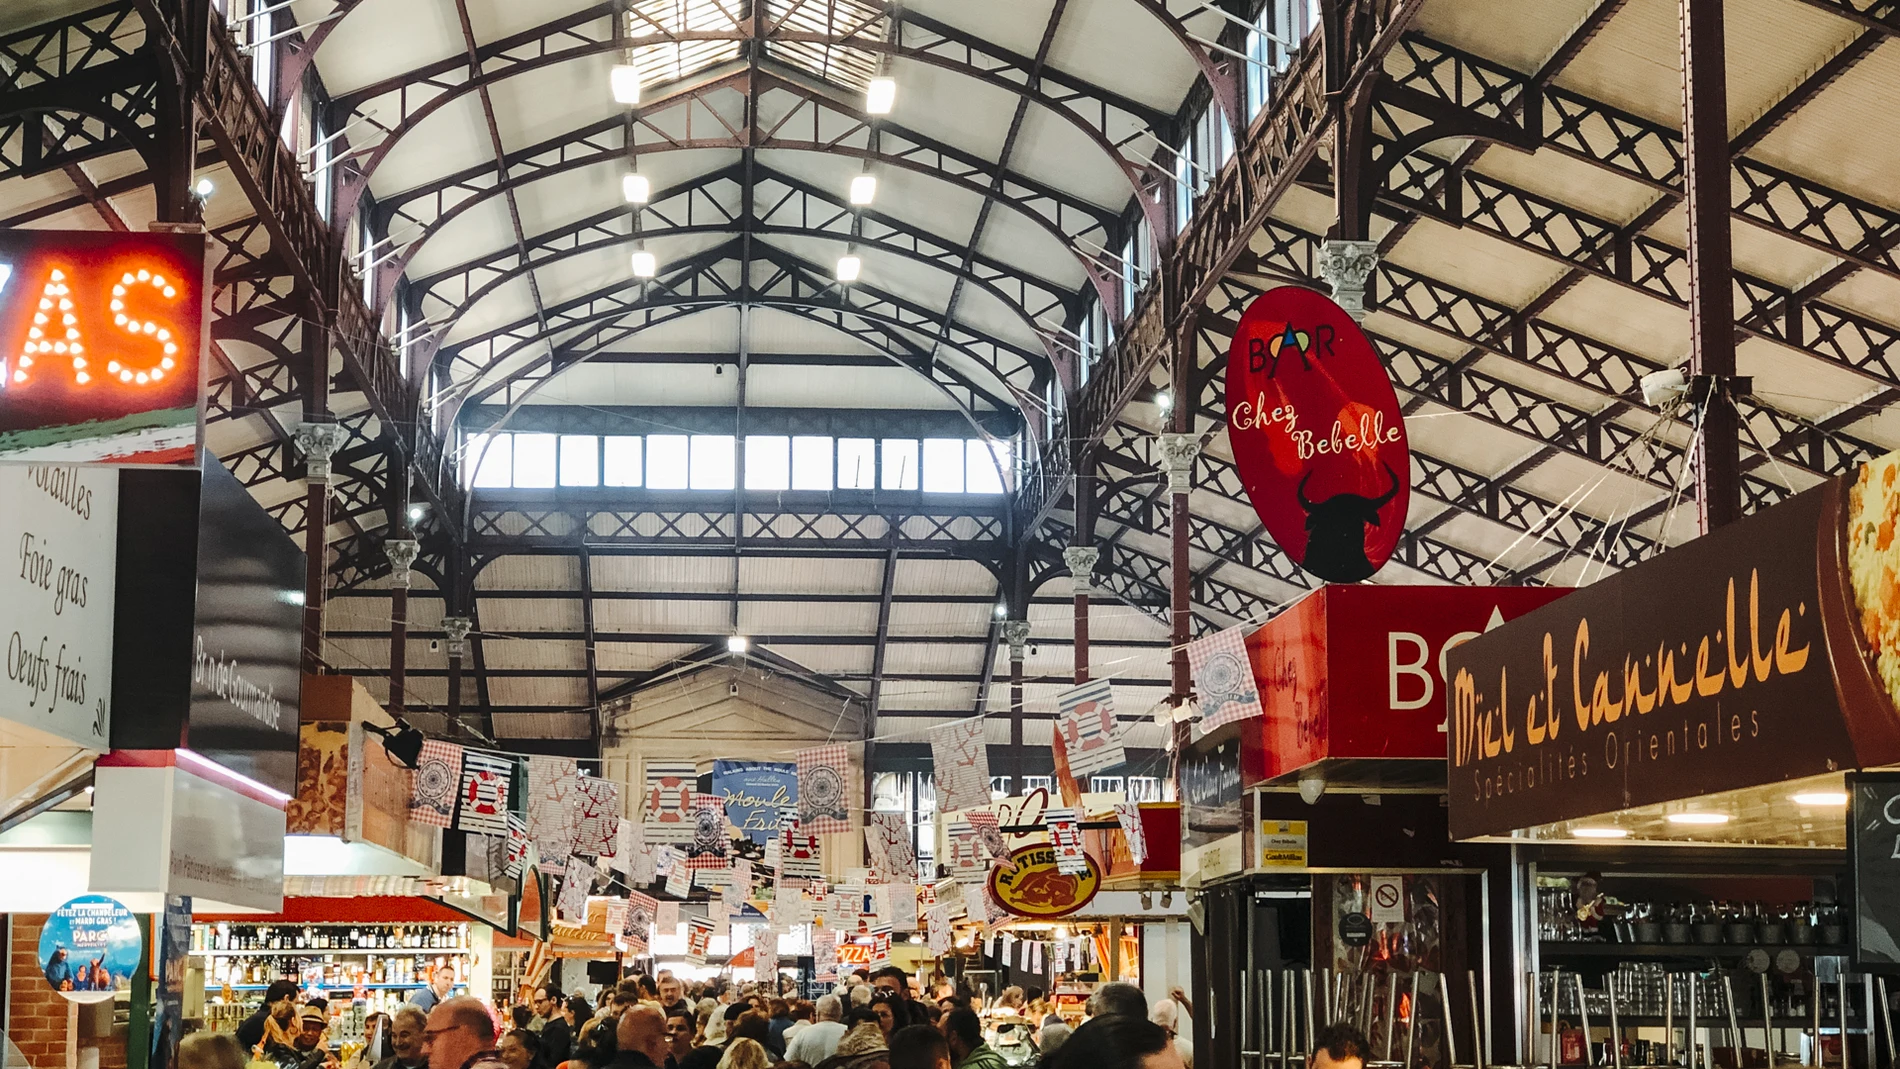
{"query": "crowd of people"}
(874, 1020)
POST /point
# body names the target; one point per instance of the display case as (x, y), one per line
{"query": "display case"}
(375, 964)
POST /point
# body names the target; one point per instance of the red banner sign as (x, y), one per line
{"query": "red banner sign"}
(1317, 434)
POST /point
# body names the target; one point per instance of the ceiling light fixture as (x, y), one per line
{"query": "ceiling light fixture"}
(1827, 798)
(1600, 833)
(1698, 818)
(417, 512)
(879, 95)
(849, 268)
(644, 265)
(626, 83)
(1164, 400)
(635, 188)
(737, 644)
(863, 189)
(205, 188)
(1001, 610)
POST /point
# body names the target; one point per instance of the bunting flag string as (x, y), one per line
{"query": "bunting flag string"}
(553, 818)
(597, 818)
(667, 812)
(1091, 736)
(484, 793)
(699, 932)
(824, 789)
(960, 760)
(1065, 834)
(889, 849)
(518, 843)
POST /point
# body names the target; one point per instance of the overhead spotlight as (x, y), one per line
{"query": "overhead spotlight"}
(1001, 610)
(863, 189)
(635, 188)
(1147, 900)
(1167, 899)
(204, 188)
(401, 742)
(417, 512)
(849, 268)
(879, 95)
(1164, 400)
(737, 644)
(644, 265)
(626, 83)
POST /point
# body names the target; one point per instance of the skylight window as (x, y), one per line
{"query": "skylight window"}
(534, 461)
(768, 462)
(620, 460)
(580, 460)
(666, 461)
(713, 457)
(857, 463)
(811, 462)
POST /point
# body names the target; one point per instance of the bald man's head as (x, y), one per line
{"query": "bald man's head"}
(643, 1028)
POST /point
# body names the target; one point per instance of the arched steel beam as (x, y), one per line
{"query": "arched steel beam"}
(614, 238)
(477, 184)
(574, 28)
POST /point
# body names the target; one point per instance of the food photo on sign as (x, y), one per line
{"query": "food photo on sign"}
(1317, 434)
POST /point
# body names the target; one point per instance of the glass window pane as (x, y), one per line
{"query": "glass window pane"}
(489, 456)
(534, 461)
(768, 462)
(622, 460)
(987, 467)
(666, 461)
(900, 464)
(811, 463)
(857, 463)
(580, 460)
(943, 465)
(713, 457)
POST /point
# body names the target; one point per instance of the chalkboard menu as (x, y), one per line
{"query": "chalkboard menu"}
(1873, 814)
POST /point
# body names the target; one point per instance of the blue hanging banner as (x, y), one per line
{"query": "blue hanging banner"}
(755, 792)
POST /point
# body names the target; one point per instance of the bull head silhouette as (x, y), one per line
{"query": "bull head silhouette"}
(1336, 531)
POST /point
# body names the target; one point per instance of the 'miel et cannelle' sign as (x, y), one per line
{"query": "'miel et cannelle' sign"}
(1318, 437)
(1742, 658)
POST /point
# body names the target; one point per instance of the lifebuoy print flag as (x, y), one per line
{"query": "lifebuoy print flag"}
(438, 777)
(1223, 677)
(1085, 715)
(668, 808)
(484, 794)
(824, 790)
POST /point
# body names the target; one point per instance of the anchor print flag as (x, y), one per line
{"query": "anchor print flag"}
(1090, 735)
(553, 817)
(438, 777)
(961, 759)
(484, 793)
(889, 849)
(669, 801)
(1223, 677)
(518, 843)
(1128, 814)
(824, 790)
(597, 818)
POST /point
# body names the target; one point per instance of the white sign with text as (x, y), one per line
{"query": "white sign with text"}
(59, 529)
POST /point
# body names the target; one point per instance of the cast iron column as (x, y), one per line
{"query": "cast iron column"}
(1016, 633)
(1711, 300)
(1081, 561)
(318, 439)
(402, 553)
(457, 629)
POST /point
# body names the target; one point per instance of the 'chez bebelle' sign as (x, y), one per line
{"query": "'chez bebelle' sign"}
(1317, 434)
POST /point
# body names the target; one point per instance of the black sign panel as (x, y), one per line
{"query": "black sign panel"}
(1873, 815)
(206, 647)
(1210, 790)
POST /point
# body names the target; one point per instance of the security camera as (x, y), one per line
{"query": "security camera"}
(434, 645)
(1663, 387)
(732, 689)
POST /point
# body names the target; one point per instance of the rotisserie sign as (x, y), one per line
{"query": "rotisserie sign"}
(1318, 437)
(1704, 669)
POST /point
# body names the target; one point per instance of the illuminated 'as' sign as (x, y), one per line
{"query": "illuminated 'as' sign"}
(100, 339)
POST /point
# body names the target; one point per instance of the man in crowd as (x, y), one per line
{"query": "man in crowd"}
(919, 1047)
(673, 995)
(897, 982)
(440, 981)
(679, 1036)
(1118, 998)
(819, 1040)
(964, 1031)
(640, 1039)
(557, 1036)
(309, 1039)
(405, 1039)
(461, 1035)
(280, 1003)
(1339, 1046)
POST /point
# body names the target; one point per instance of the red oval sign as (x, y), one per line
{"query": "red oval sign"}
(1317, 434)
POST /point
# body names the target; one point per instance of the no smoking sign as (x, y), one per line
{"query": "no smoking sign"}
(1388, 900)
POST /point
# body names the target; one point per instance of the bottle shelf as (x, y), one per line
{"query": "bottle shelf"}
(420, 952)
(336, 987)
(1679, 950)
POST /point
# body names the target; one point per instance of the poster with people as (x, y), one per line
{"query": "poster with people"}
(90, 947)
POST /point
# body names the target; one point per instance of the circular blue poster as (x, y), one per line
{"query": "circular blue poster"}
(90, 948)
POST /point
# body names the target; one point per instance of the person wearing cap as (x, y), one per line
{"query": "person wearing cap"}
(311, 1039)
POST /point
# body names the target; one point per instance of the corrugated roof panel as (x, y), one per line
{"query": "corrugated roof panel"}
(936, 619)
(533, 653)
(524, 571)
(917, 694)
(532, 614)
(827, 660)
(794, 618)
(636, 573)
(932, 658)
(663, 617)
(637, 656)
(946, 576)
(542, 725)
(810, 575)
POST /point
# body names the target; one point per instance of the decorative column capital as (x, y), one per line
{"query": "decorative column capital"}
(1016, 633)
(1346, 265)
(318, 442)
(1081, 561)
(457, 629)
(402, 554)
(1176, 457)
